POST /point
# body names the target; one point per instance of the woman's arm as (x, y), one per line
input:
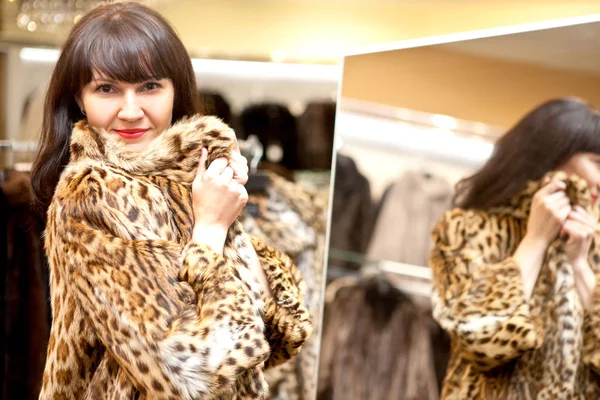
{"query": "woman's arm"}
(480, 302)
(287, 321)
(168, 348)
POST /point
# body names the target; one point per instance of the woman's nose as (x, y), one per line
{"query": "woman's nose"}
(130, 109)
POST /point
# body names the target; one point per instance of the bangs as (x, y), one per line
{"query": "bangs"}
(585, 137)
(591, 135)
(135, 59)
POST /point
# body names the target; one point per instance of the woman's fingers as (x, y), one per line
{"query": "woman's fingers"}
(552, 187)
(203, 157)
(227, 176)
(216, 168)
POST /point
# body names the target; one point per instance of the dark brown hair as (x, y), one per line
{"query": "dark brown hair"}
(540, 142)
(124, 41)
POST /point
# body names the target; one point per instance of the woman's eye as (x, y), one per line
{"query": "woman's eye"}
(104, 89)
(149, 86)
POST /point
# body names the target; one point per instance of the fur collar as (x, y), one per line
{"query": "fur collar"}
(174, 154)
(577, 191)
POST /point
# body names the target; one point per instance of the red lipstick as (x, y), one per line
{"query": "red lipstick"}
(130, 133)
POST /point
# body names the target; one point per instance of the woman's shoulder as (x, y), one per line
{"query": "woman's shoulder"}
(459, 224)
(79, 175)
(88, 180)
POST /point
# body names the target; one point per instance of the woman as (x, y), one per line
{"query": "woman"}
(156, 290)
(515, 265)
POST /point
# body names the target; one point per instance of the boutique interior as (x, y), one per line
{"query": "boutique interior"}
(409, 121)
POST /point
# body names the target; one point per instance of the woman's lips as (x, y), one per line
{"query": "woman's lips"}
(130, 133)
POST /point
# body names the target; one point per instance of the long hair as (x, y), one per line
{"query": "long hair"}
(540, 142)
(124, 41)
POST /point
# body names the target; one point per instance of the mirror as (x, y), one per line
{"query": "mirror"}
(413, 119)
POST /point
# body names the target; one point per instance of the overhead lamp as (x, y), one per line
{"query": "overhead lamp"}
(56, 15)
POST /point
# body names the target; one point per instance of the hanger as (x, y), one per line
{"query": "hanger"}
(422, 166)
(253, 150)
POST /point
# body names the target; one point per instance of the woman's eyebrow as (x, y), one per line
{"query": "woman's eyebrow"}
(103, 79)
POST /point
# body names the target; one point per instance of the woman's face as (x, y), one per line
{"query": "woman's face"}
(587, 166)
(137, 112)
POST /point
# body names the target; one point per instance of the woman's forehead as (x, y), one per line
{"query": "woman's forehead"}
(99, 75)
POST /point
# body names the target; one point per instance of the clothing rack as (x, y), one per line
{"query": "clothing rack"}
(462, 127)
(8, 148)
(411, 279)
(22, 146)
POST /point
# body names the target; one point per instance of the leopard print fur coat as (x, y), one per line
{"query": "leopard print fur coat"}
(293, 219)
(139, 310)
(504, 346)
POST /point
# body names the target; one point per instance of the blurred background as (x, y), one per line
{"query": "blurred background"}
(413, 118)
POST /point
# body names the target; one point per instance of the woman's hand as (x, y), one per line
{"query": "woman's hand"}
(579, 230)
(239, 165)
(550, 208)
(217, 200)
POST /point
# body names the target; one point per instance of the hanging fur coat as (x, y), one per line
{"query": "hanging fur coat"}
(375, 344)
(504, 346)
(25, 311)
(293, 219)
(140, 310)
(353, 213)
(410, 206)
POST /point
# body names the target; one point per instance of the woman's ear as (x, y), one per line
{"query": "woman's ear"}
(78, 101)
(80, 105)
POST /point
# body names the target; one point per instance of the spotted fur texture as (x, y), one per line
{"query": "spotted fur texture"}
(292, 218)
(139, 310)
(503, 346)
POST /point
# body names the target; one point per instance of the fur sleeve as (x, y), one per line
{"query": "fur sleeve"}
(168, 347)
(287, 321)
(479, 302)
(591, 323)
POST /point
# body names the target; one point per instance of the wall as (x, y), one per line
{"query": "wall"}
(328, 29)
(430, 79)
(2, 96)
(325, 30)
